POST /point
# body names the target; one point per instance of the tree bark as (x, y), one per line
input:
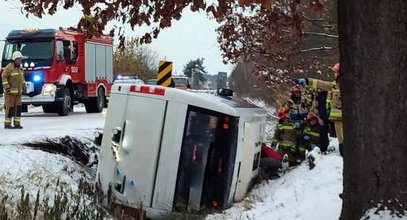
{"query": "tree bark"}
(373, 48)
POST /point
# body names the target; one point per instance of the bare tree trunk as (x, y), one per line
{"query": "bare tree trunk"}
(373, 48)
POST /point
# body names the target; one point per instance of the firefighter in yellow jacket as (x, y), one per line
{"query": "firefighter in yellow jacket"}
(298, 107)
(310, 137)
(335, 100)
(286, 137)
(13, 85)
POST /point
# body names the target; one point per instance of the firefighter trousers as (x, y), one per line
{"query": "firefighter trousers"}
(339, 131)
(13, 107)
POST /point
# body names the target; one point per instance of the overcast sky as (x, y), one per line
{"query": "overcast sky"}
(192, 37)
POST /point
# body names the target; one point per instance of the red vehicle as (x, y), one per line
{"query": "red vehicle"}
(62, 68)
(181, 82)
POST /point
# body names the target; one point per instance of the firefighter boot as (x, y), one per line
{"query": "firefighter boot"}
(341, 149)
(8, 116)
(17, 118)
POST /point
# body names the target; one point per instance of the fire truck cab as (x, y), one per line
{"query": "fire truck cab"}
(181, 82)
(62, 68)
(177, 151)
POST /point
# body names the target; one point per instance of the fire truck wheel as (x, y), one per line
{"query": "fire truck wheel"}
(96, 104)
(66, 105)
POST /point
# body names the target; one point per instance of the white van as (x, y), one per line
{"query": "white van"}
(175, 150)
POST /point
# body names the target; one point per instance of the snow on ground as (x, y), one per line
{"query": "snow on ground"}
(38, 126)
(382, 213)
(299, 194)
(35, 169)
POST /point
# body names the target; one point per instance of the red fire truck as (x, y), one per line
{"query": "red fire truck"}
(62, 68)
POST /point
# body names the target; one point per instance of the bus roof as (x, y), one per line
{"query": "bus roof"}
(226, 105)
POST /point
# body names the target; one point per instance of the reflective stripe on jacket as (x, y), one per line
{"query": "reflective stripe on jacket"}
(13, 79)
(335, 96)
(285, 135)
(298, 111)
(313, 133)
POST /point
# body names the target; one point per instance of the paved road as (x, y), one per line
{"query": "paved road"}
(38, 125)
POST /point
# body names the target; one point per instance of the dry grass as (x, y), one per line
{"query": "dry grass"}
(64, 205)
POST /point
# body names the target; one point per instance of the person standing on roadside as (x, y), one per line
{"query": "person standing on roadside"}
(13, 86)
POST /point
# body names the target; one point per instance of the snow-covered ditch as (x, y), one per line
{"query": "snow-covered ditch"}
(52, 157)
(39, 178)
(37, 170)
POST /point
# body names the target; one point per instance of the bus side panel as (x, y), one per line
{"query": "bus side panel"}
(169, 156)
(140, 149)
(115, 118)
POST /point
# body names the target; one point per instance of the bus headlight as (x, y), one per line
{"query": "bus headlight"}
(49, 89)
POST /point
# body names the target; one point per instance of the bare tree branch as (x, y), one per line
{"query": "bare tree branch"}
(317, 21)
(320, 34)
(310, 19)
(323, 48)
(252, 48)
(327, 25)
(314, 33)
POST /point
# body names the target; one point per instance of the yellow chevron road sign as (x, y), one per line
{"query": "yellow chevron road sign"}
(164, 77)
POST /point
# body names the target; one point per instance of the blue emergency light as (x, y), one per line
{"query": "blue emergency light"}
(37, 77)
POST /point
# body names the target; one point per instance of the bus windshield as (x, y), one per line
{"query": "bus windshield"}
(32, 50)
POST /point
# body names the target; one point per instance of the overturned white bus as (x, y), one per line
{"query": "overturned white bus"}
(176, 150)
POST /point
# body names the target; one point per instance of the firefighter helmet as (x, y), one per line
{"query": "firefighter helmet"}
(16, 55)
(282, 113)
(295, 89)
(311, 115)
(335, 68)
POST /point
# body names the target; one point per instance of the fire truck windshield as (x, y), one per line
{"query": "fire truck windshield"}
(180, 81)
(31, 50)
